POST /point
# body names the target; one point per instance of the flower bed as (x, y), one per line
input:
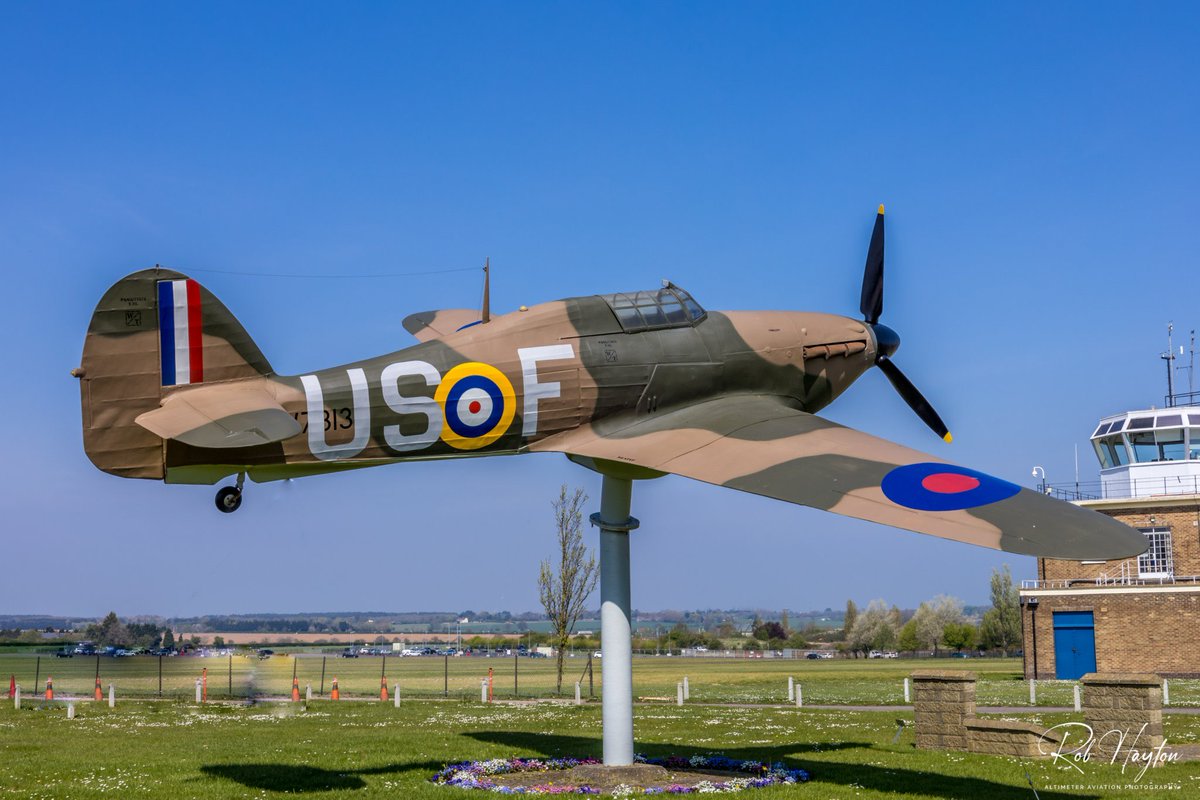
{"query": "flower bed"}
(748, 775)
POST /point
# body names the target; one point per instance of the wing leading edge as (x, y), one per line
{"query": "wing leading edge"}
(760, 445)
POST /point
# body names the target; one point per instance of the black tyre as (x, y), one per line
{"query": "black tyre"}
(229, 499)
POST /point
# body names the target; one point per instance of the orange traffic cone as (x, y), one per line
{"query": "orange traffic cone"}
(383, 695)
(335, 695)
(99, 695)
(49, 688)
(295, 690)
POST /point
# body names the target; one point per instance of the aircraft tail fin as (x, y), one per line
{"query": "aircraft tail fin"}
(152, 332)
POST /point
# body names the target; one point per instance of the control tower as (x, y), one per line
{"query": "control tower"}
(1137, 614)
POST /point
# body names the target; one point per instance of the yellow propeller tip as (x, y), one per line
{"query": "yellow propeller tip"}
(881, 208)
(948, 438)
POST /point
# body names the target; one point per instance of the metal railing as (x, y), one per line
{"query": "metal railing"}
(1104, 580)
(1167, 486)
(1182, 399)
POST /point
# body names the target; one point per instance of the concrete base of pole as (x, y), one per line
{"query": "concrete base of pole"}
(615, 630)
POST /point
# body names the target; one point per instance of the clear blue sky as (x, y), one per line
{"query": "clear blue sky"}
(1038, 161)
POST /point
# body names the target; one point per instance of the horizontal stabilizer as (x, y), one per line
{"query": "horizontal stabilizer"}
(427, 325)
(221, 416)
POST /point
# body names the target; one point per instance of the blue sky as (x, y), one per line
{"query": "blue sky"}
(1038, 162)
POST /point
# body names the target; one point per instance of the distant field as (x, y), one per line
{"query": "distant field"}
(839, 682)
(368, 750)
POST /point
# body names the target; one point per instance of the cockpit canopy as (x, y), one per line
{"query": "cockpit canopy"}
(668, 307)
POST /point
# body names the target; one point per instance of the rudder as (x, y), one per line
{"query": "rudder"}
(153, 332)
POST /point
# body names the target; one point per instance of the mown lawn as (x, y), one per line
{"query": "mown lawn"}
(363, 750)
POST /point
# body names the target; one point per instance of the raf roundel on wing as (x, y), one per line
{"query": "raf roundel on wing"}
(944, 487)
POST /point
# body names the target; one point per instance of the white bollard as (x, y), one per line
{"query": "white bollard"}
(799, 696)
(791, 689)
(483, 690)
(17, 698)
(198, 697)
(906, 694)
(1078, 701)
(1166, 693)
(112, 696)
(679, 693)
(578, 695)
(308, 692)
(1032, 692)
(396, 694)
(687, 693)
(70, 711)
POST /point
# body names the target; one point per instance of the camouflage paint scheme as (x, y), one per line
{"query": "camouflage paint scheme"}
(729, 400)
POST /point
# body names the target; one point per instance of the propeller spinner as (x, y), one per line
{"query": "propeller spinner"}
(887, 340)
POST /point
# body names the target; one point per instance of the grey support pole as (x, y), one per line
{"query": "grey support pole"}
(616, 668)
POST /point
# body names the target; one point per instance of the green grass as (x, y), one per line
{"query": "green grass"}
(363, 750)
(836, 682)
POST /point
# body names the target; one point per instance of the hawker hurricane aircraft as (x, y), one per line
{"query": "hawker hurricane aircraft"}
(634, 384)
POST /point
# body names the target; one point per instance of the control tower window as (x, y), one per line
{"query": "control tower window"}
(668, 307)
(1157, 561)
(1170, 443)
(1194, 446)
(1145, 449)
(1114, 447)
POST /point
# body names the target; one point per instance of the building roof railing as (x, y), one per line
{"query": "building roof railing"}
(1140, 488)
(1104, 581)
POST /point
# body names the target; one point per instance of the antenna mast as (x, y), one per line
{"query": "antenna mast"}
(1169, 356)
(486, 315)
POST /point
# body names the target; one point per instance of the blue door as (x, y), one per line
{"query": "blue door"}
(1074, 644)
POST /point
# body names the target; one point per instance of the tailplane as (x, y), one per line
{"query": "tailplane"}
(153, 332)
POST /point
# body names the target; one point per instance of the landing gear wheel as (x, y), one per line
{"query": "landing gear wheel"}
(229, 499)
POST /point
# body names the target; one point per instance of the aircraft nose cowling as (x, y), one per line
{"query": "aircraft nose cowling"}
(887, 341)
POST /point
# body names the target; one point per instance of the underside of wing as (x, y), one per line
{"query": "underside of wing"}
(222, 416)
(427, 325)
(759, 444)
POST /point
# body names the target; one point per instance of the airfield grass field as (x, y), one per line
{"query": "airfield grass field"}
(175, 748)
(363, 750)
(711, 680)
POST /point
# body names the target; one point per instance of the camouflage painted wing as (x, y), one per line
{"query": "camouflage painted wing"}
(427, 325)
(760, 445)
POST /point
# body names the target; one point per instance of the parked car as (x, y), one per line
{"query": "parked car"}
(813, 656)
(890, 654)
(875, 654)
(66, 652)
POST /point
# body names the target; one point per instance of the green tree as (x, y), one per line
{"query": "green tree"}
(218, 641)
(908, 640)
(874, 629)
(1001, 624)
(960, 636)
(168, 640)
(563, 593)
(110, 632)
(850, 618)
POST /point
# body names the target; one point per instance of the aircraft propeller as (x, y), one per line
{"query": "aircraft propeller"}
(888, 341)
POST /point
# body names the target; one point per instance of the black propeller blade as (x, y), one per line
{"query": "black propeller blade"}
(871, 303)
(914, 398)
(887, 341)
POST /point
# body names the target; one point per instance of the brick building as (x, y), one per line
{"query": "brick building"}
(1140, 614)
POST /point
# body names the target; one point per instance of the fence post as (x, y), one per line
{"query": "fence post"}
(679, 693)
(197, 690)
(1032, 692)
(396, 694)
(483, 690)
(70, 711)
(17, 698)
(1078, 705)
(1166, 693)
(112, 696)
(791, 689)
(308, 692)
(687, 693)
(906, 692)
(799, 696)
(578, 698)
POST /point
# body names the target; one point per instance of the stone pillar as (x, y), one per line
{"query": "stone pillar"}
(1124, 710)
(943, 700)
